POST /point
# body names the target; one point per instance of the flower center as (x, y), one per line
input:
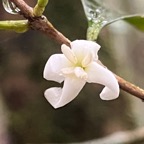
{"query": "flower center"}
(74, 71)
(79, 64)
(80, 73)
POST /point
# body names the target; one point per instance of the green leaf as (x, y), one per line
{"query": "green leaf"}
(136, 21)
(101, 13)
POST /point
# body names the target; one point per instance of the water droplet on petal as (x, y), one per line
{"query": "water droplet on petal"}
(10, 7)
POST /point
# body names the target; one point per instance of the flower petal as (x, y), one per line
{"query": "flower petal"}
(87, 60)
(69, 54)
(82, 48)
(98, 74)
(58, 97)
(52, 70)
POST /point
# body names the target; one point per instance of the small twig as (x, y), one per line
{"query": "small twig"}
(130, 88)
(43, 25)
(127, 137)
(40, 23)
(40, 7)
(18, 26)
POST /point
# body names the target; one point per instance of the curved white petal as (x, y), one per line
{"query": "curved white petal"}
(98, 74)
(53, 95)
(82, 48)
(58, 97)
(52, 70)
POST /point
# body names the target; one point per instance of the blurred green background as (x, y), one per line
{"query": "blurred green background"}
(26, 116)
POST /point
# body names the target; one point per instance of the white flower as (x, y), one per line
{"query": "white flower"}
(76, 66)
